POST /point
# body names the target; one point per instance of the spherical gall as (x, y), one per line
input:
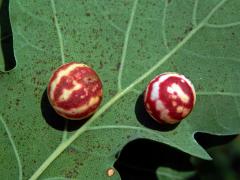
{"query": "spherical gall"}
(169, 98)
(75, 91)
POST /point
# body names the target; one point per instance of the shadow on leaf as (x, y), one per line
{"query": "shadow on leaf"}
(213, 169)
(146, 120)
(208, 140)
(140, 159)
(56, 121)
(6, 37)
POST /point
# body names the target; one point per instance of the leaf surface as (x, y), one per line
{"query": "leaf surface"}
(127, 43)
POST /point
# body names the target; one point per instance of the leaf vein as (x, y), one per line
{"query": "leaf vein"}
(205, 21)
(26, 11)
(57, 26)
(27, 42)
(65, 132)
(124, 49)
(120, 127)
(165, 41)
(109, 20)
(210, 57)
(199, 93)
(14, 147)
(233, 24)
(194, 16)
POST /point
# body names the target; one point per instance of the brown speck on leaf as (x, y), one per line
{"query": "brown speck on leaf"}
(118, 66)
(110, 172)
(17, 102)
(53, 19)
(188, 29)
(112, 92)
(101, 65)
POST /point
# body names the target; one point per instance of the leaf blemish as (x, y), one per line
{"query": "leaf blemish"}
(110, 172)
(88, 14)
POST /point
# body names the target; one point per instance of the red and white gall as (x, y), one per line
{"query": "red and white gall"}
(169, 98)
(75, 91)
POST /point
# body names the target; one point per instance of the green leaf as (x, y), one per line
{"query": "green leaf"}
(9, 153)
(170, 174)
(127, 43)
